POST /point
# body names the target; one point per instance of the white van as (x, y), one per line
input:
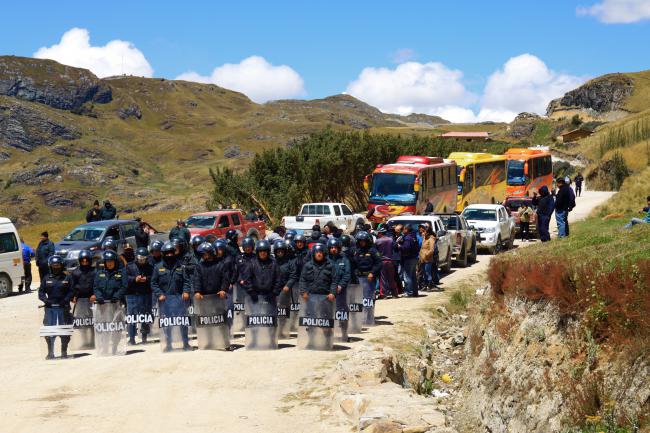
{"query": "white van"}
(12, 273)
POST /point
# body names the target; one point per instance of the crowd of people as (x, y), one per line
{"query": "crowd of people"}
(325, 263)
(561, 202)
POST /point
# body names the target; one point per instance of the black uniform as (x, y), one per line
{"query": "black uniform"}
(318, 278)
(170, 279)
(138, 297)
(367, 260)
(212, 276)
(263, 278)
(109, 285)
(56, 292)
(141, 238)
(44, 251)
(83, 279)
(134, 270)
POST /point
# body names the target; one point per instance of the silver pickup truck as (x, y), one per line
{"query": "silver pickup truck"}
(90, 236)
(463, 239)
(312, 214)
(496, 229)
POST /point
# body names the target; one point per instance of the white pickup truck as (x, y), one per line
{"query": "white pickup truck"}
(496, 229)
(320, 214)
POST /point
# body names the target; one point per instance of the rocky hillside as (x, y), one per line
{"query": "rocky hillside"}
(608, 97)
(67, 137)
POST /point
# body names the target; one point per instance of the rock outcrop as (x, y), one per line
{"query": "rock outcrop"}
(23, 127)
(50, 83)
(601, 95)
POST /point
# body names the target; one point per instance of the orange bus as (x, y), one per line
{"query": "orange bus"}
(527, 171)
(403, 188)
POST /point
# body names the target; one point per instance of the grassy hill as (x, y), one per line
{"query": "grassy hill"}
(67, 138)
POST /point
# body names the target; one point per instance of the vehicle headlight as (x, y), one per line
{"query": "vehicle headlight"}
(490, 229)
(74, 254)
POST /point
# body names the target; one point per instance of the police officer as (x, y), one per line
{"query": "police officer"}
(244, 260)
(170, 279)
(239, 271)
(186, 258)
(288, 276)
(138, 294)
(195, 242)
(180, 232)
(301, 251)
(211, 275)
(343, 272)
(83, 277)
(56, 292)
(290, 235)
(155, 257)
(347, 249)
(110, 281)
(128, 255)
(367, 264)
(263, 276)
(318, 275)
(232, 239)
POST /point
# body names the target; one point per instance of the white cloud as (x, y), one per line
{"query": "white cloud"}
(411, 87)
(524, 83)
(115, 58)
(255, 77)
(403, 55)
(618, 11)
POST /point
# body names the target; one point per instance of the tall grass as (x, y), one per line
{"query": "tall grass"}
(624, 136)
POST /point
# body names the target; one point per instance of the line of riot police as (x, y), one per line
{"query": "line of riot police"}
(322, 291)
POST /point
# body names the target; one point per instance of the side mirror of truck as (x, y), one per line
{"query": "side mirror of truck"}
(441, 233)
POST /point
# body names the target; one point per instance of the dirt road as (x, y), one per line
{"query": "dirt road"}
(199, 391)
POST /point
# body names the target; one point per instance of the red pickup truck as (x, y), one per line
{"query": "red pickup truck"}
(220, 221)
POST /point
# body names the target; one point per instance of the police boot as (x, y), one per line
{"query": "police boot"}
(64, 347)
(50, 347)
(132, 341)
(144, 338)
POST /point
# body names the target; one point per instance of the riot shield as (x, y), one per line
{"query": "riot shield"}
(316, 323)
(355, 307)
(84, 332)
(56, 322)
(110, 329)
(139, 315)
(284, 315)
(238, 310)
(174, 323)
(261, 323)
(154, 329)
(342, 316)
(294, 309)
(368, 301)
(212, 331)
(191, 313)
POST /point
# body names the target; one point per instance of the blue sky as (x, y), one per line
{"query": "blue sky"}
(327, 45)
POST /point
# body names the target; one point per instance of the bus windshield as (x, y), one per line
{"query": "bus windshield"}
(393, 188)
(516, 174)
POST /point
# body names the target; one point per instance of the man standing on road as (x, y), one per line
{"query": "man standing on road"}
(108, 212)
(138, 293)
(94, 213)
(545, 206)
(83, 278)
(180, 232)
(387, 282)
(263, 275)
(367, 263)
(28, 254)
(564, 203)
(525, 212)
(409, 253)
(44, 251)
(170, 279)
(578, 181)
(56, 292)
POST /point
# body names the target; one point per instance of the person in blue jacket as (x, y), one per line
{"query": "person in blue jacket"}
(28, 255)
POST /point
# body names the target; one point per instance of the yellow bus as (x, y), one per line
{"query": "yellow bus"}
(481, 178)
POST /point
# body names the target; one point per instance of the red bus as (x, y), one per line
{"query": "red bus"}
(403, 188)
(527, 171)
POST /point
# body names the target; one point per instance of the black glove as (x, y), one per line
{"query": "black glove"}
(47, 303)
(254, 297)
(100, 301)
(270, 297)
